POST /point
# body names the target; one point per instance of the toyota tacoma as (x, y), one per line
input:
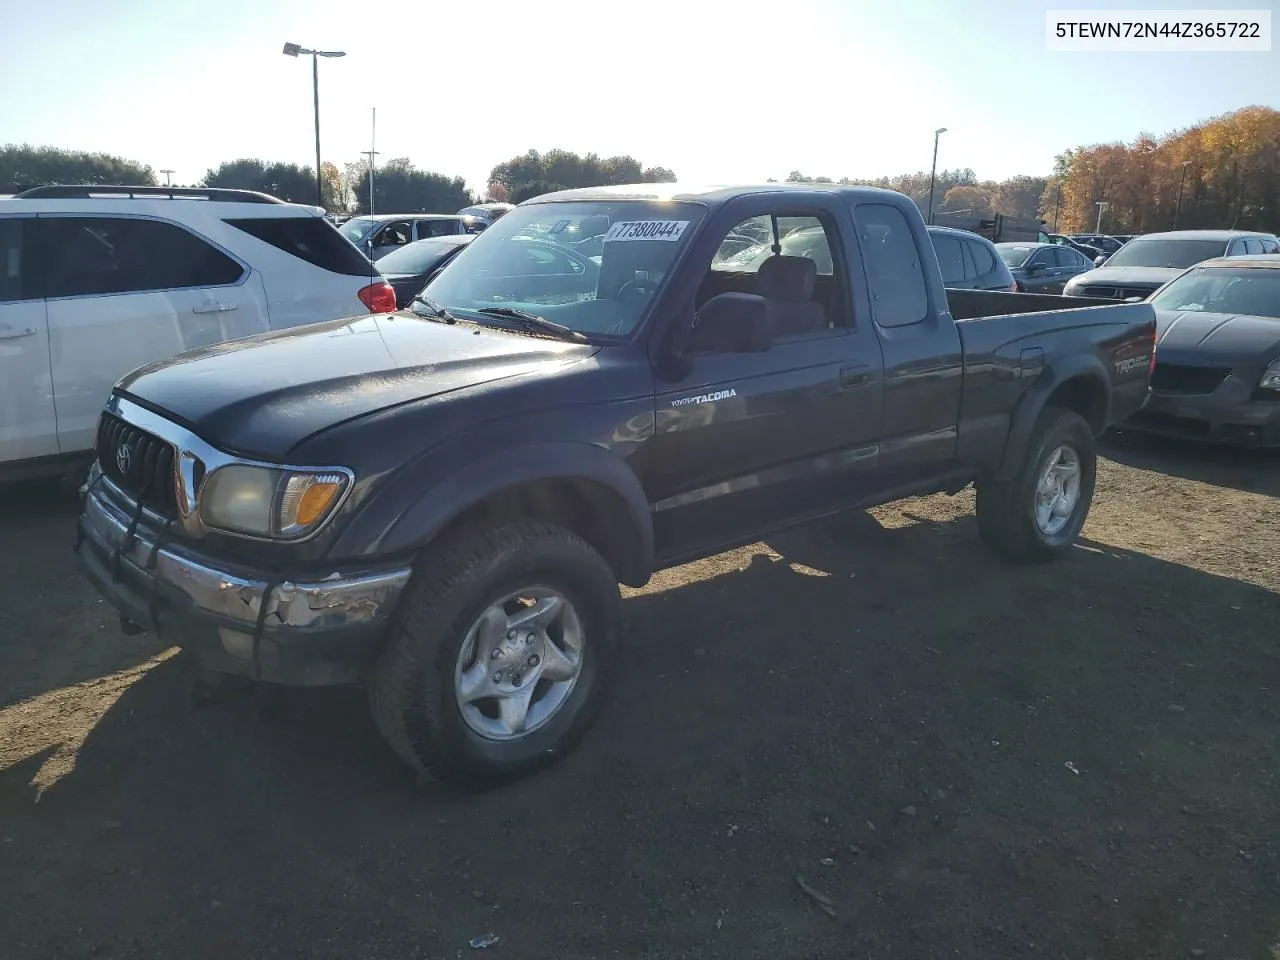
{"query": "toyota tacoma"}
(440, 503)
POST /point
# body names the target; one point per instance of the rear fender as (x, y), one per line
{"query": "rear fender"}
(1087, 369)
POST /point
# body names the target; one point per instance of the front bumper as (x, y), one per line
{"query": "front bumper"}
(305, 632)
(1231, 414)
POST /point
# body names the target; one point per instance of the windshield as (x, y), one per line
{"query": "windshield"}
(1252, 292)
(1159, 252)
(417, 257)
(1014, 256)
(592, 266)
(356, 228)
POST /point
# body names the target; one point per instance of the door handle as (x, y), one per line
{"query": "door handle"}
(9, 333)
(853, 376)
(215, 307)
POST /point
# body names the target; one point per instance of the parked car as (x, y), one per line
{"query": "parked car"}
(96, 281)
(1083, 248)
(1106, 245)
(377, 236)
(1042, 267)
(487, 212)
(1143, 264)
(969, 262)
(1217, 373)
(442, 506)
(408, 268)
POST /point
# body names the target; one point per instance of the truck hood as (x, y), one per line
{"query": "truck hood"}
(263, 395)
(1217, 339)
(1127, 276)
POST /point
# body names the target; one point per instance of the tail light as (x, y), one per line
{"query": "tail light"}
(1151, 366)
(378, 297)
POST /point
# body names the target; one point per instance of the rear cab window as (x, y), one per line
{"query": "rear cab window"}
(895, 274)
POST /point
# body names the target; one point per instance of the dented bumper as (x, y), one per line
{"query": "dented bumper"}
(307, 632)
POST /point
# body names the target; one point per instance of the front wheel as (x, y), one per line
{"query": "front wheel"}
(1038, 514)
(498, 654)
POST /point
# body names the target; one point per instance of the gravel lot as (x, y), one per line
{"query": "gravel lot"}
(968, 760)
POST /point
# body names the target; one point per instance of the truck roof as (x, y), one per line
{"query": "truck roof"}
(713, 195)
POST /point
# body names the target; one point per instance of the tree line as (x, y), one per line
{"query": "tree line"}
(1223, 172)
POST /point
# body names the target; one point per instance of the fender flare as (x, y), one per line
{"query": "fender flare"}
(1084, 366)
(440, 504)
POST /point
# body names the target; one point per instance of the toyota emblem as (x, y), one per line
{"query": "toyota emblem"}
(124, 459)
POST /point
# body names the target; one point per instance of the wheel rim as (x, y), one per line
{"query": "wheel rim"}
(518, 664)
(1058, 491)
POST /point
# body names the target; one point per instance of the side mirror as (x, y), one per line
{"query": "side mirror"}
(1035, 268)
(1100, 259)
(732, 323)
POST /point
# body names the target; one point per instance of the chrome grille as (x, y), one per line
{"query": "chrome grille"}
(138, 463)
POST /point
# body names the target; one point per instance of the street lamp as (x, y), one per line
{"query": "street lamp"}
(292, 50)
(933, 172)
(1101, 205)
(1181, 180)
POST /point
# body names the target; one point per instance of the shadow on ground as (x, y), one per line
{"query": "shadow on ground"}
(1253, 471)
(1076, 760)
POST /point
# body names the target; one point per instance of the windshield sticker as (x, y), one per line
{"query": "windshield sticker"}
(646, 230)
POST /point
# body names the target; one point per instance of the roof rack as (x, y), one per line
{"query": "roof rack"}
(108, 191)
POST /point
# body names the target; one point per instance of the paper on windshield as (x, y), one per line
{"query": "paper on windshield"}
(646, 230)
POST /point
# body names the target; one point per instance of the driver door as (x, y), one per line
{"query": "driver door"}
(746, 442)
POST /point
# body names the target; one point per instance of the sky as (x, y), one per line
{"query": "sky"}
(719, 92)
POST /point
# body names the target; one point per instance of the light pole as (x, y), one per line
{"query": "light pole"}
(1101, 205)
(1181, 180)
(168, 177)
(292, 50)
(1057, 207)
(934, 169)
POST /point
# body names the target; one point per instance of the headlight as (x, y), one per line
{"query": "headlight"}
(1271, 377)
(263, 502)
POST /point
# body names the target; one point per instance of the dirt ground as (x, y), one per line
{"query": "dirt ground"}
(1076, 761)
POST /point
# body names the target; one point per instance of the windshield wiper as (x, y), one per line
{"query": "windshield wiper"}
(533, 322)
(435, 308)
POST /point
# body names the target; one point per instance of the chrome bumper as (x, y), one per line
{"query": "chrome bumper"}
(188, 600)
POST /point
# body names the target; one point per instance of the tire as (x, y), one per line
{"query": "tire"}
(1007, 510)
(414, 684)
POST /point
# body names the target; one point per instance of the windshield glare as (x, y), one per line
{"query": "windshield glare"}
(1154, 252)
(356, 228)
(593, 266)
(1251, 292)
(1014, 256)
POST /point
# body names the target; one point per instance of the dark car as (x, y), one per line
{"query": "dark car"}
(1142, 265)
(969, 262)
(1042, 267)
(1087, 250)
(1099, 241)
(440, 504)
(408, 268)
(1217, 373)
(487, 212)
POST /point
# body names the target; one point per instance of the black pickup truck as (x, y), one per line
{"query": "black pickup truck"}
(440, 503)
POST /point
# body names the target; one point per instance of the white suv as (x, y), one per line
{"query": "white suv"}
(96, 281)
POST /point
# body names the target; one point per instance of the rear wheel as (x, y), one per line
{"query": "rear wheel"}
(498, 654)
(1037, 515)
